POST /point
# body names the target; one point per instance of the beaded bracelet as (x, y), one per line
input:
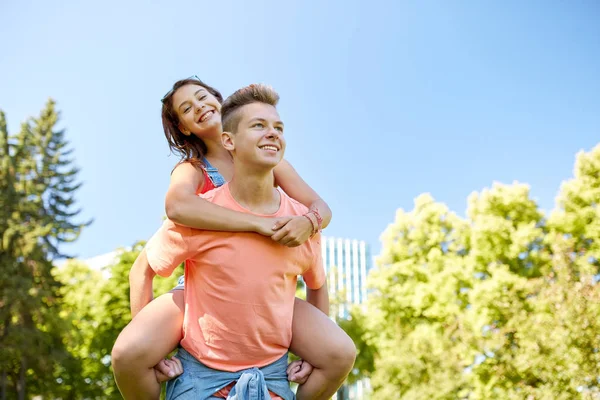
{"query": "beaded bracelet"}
(314, 227)
(319, 220)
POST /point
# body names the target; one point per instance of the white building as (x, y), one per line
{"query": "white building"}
(97, 263)
(347, 263)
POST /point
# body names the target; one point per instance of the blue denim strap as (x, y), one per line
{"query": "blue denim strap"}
(180, 283)
(213, 173)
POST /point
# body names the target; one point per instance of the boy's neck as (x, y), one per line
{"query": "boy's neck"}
(255, 189)
(215, 149)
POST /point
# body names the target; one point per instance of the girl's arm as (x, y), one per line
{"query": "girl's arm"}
(297, 230)
(140, 283)
(184, 207)
(319, 298)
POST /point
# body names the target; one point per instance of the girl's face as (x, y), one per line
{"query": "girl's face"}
(198, 110)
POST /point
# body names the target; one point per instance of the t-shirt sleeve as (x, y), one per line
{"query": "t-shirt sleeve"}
(169, 247)
(314, 276)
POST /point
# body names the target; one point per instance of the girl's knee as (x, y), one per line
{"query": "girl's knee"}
(125, 352)
(343, 354)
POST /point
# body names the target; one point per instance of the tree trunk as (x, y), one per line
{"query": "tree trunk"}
(3, 392)
(21, 382)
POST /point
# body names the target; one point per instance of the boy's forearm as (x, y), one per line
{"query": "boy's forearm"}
(140, 282)
(319, 298)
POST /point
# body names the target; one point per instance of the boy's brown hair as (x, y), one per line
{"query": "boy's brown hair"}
(255, 93)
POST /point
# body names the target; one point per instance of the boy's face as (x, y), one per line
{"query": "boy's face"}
(259, 138)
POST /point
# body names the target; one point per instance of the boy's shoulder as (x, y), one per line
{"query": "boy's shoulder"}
(291, 206)
(222, 197)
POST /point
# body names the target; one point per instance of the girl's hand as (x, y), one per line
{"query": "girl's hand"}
(266, 226)
(168, 369)
(299, 371)
(293, 231)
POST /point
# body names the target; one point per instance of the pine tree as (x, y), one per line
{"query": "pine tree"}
(57, 179)
(38, 185)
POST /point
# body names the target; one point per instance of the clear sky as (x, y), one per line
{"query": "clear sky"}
(382, 101)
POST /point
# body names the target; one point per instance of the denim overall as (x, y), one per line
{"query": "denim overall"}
(199, 382)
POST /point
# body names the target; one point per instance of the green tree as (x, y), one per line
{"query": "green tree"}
(38, 184)
(96, 309)
(83, 376)
(500, 304)
(577, 214)
(556, 340)
(412, 311)
(505, 250)
(356, 327)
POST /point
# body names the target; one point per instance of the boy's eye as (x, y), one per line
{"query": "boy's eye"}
(258, 125)
(187, 109)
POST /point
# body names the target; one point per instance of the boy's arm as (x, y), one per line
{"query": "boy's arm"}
(170, 246)
(319, 298)
(167, 249)
(140, 282)
(315, 279)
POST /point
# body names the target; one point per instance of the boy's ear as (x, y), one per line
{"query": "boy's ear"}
(227, 141)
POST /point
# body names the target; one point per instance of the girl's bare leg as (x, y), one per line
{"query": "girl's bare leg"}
(324, 345)
(154, 332)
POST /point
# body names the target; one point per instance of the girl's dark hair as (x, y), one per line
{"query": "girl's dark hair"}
(190, 148)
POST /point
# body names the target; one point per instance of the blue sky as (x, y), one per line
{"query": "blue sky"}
(382, 100)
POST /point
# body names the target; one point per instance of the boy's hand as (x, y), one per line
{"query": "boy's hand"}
(265, 226)
(299, 371)
(168, 369)
(292, 232)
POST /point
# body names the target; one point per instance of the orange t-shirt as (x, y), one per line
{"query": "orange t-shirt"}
(239, 286)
